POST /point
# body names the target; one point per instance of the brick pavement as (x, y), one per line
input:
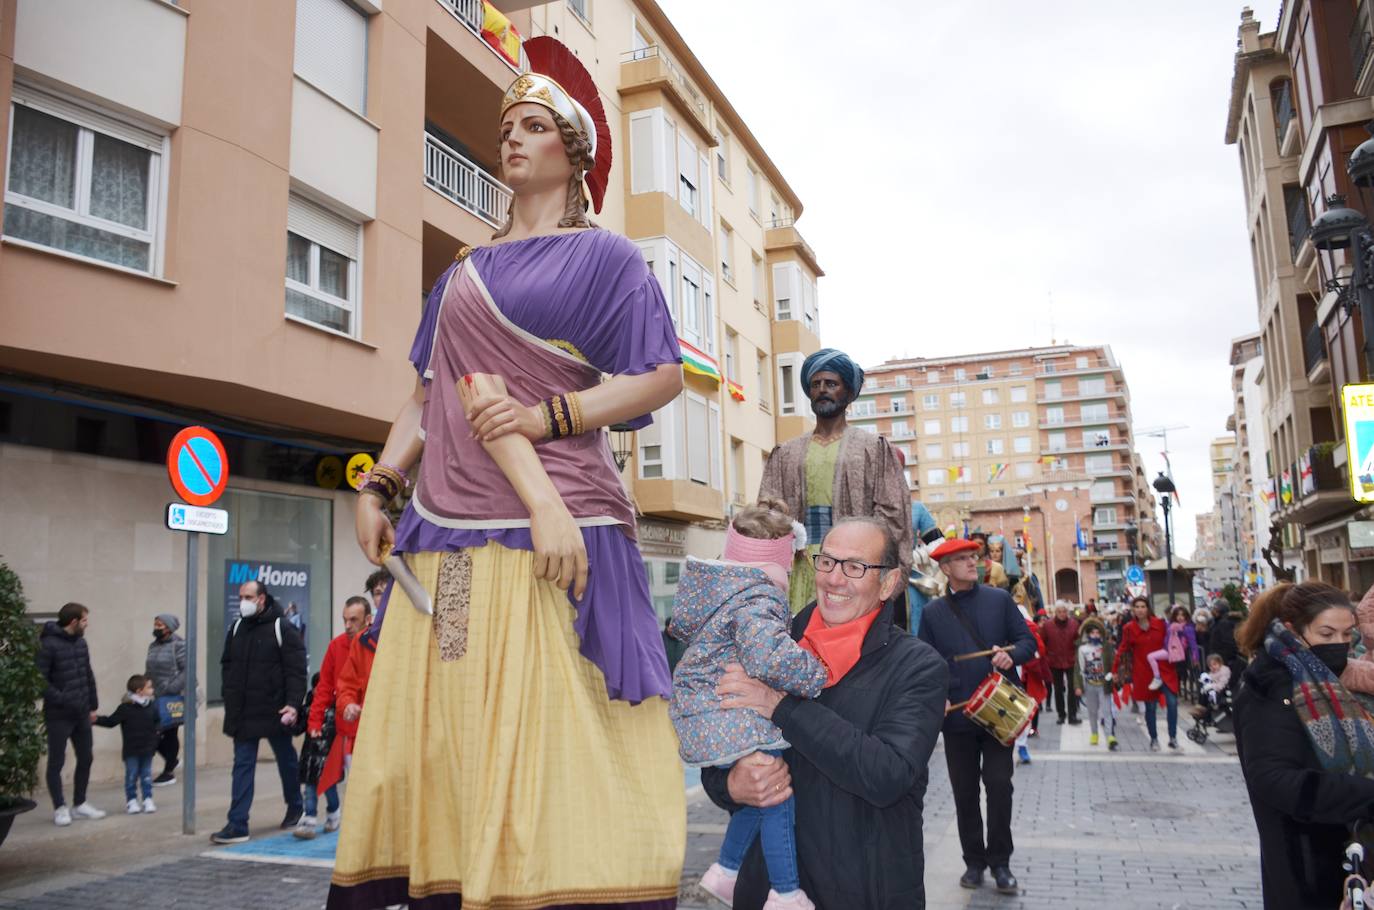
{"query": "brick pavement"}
(1131, 830)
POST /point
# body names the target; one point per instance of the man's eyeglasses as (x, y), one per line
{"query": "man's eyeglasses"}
(851, 568)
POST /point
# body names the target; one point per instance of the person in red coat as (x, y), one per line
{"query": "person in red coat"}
(1144, 633)
(350, 690)
(1061, 651)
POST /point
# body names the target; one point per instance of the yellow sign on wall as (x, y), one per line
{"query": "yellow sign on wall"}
(357, 469)
(1357, 403)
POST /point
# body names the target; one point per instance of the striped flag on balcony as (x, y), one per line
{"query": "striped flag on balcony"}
(735, 389)
(1307, 483)
(996, 471)
(694, 361)
(1286, 487)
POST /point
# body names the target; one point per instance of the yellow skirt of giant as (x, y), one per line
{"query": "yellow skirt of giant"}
(507, 775)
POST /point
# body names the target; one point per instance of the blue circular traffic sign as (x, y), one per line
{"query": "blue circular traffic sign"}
(197, 466)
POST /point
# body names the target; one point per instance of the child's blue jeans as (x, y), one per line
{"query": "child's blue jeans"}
(138, 770)
(312, 799)
(777, 826)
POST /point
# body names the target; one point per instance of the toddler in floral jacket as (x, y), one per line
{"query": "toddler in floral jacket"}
(734, 611)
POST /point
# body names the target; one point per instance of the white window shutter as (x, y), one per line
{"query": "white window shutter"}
(687, 160)
(670, 418)
(713, 440)
(783, 290)
(668, 176)
(643, 154)
(698, 440)
(315, 222)
(704, 188)
(331, 50)
(708, 296)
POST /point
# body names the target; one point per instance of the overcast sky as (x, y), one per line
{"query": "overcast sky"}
(963, 164)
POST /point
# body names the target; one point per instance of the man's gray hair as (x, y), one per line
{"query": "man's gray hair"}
(890, 558)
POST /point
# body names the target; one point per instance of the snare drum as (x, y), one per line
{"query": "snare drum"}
(1000, 707)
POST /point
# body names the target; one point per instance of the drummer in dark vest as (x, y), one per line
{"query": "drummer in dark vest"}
(971, 618)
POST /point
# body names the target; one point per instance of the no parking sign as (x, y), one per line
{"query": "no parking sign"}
(197, 466)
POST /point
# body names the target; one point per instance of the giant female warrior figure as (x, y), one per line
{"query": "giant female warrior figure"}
(515, 749)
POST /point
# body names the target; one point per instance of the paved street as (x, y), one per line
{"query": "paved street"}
(1130, 830)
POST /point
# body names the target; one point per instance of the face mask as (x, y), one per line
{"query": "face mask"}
(247, 608)
(140, 699)
(1334, 655)
(1095, 639)
(157, 636)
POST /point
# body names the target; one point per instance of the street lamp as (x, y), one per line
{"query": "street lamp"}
(1132, 537)
(622, 444)
(1165, 487)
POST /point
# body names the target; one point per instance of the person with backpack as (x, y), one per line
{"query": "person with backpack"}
(263, 667)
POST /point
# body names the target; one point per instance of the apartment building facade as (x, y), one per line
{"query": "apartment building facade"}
(982, 426)
(230, 214)
(1300, 97)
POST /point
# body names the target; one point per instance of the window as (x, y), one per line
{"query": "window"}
(1018, 393)
(958, 424)
(1054, 389)
(760, 281)
(897, 405)
(1081, 363)
(786, 278)
(957, 399)
(1094, 412)
(992, 421)
(935, 451)
(322, 254)
(1057, 442)
(935, 497)
(930, 402)
(1021, 444)
(1096, 438)
(1092, 385)
(753, 191)
(867, 428)
(990, 396)
(1054, 415)
(1059, 464)
(731, 354)
(984, 372)
(1014, 369)
(659, 443)
(960, 374)
(930, 427)
(1104, 515)
(688, 177)
(935, 477)
(1025, 469)
(331, 50)
(727, 254)
(866, 408)
(790, 392)
(959, 450)
(900, 429)
(1049, 366)
(765, 387)
(774, 209)
(963, 494)
(1097, 464)
(723, 156)
(583, 9)
(703, 441)
(1020, 418)
(1103, 489)
(83, 183)
(932, 377)
(996, 446)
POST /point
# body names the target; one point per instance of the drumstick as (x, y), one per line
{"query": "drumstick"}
(988, 653)
(952, 708)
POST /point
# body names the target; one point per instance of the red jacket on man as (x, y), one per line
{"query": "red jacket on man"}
(334, 657)
(350, 689)
(1061, 642)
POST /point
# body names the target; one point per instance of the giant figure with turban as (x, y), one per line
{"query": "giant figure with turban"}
(836, 471)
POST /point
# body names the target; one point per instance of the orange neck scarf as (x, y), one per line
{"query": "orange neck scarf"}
(836, 647)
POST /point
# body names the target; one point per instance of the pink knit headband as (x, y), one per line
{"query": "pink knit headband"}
(739, 548)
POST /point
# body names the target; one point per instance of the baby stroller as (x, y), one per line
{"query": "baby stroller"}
(1213, 712)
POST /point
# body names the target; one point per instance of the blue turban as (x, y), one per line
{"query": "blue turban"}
(836, 362)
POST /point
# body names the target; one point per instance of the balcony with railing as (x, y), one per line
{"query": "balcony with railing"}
(1313, 349)
(464, 183)
(1068, 366)
(473, 14)
(1298, 220)
(651, 67)
(1284, 112)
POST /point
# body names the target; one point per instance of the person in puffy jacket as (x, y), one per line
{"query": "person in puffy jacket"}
(1060, 634)
(69, 707)
(166, 666)
(735, 612)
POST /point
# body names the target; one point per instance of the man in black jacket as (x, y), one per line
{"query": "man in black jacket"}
(859, 751)
(974, 617)
(69, 707)
(264, 685)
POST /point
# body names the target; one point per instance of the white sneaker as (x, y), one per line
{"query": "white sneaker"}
(86, 810)
(133, 807)
(1156, 684)
(148, 805)
(62, 817)
(332, 820)
(305, 828)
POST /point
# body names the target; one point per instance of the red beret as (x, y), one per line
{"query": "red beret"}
(952, 546)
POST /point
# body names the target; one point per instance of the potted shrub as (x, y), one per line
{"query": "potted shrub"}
(21, 685)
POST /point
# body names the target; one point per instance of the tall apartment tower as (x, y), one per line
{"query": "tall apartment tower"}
(981, 426)
(1253, 503)
(230, 214)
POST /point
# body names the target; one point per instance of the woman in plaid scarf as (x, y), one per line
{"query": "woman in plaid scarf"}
(1306, 745)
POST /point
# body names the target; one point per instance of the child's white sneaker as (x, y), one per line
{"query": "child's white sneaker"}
(792, 900)
(305, 828)
(149, 805)
(1156, 684)
(132, 808)
(86, 810)
(62, 817)
(719, 882)
(332, 820)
